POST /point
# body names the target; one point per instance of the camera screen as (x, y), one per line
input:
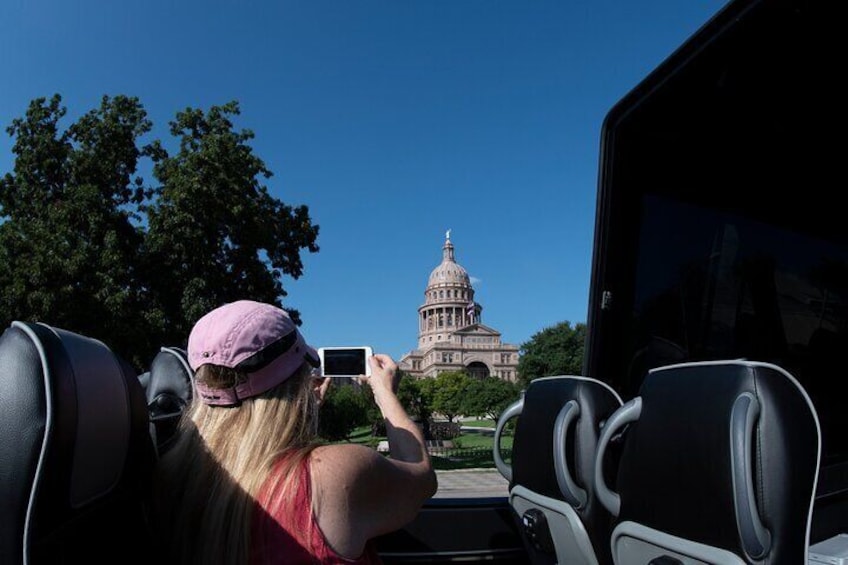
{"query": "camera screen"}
(344, 361)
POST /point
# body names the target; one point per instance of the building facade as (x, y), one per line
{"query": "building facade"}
(451, 333)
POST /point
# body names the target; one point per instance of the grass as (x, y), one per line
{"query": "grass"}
(471, 439)
(484, 423)
(363, 436)
(477, 456)
(472, 450)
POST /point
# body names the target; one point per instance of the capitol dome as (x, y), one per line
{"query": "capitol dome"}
(449, 271)
(448, 300)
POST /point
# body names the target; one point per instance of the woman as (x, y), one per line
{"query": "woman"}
(247, 482)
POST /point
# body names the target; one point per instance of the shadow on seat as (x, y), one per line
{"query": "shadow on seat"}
(76, 459)
(169, 390)
(552, 473)
(719, 465)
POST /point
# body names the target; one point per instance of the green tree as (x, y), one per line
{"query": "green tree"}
(344, 409)
(447, 390)
(215, 233)
(411, 398)
(86, 245)
(416, 401)
(69, 243)
(373, 414)
(556, 350)
(489, 397)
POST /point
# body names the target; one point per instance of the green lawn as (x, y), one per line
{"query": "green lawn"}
(471, 450)
(363, 435)
(484, 423)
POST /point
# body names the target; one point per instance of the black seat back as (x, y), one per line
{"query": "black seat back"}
(719, 465)
(552, 471)
(169, 390)
(76, 458)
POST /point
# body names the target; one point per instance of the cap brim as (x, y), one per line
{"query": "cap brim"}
(312, 356)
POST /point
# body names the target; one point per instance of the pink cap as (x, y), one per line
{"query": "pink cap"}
(258, 339)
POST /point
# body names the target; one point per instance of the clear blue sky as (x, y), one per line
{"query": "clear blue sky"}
(392, 120)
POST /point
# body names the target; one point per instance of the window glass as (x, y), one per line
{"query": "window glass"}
(716, 285)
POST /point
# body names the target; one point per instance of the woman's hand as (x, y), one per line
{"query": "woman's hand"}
(320, 388)
(384, 376)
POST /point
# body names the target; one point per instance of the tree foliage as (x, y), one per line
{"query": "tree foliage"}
(556, 350)
(416, 401)
(86, 244)
(215, 234)
(411, 396)
(68, 245)
(345, 408)
(446, 392)
(489, 397)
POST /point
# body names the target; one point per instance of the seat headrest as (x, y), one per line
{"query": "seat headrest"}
(716, 450)
(73, 423)
(544, 399)
(170, 382)
(170, 389)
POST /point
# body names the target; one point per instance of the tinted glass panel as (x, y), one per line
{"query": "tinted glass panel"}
(718, 232)
(712, 284)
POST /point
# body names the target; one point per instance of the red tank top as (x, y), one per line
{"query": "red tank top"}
(286, 531)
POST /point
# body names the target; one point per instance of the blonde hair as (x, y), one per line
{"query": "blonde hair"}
(209, 480)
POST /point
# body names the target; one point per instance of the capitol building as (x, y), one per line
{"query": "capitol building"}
(451, 333)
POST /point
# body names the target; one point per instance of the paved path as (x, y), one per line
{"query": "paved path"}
(474, 483)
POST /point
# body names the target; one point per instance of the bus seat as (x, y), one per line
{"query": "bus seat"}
(551, 474)
(719, 464)
(169, 391)
(76, 458)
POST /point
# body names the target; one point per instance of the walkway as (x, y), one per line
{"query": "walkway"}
(471, 483)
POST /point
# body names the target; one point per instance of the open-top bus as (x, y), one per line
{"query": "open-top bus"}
(719, 235)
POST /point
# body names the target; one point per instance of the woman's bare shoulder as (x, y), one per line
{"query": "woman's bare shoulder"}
(350, 456)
